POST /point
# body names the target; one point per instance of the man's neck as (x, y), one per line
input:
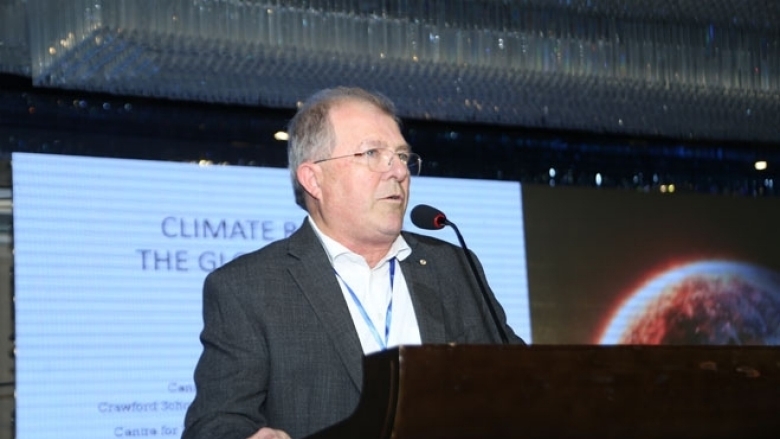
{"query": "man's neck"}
(371, 252)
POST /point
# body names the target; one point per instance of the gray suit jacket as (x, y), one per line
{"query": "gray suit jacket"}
(280, 348)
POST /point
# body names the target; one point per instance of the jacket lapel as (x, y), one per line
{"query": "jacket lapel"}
(314, 275)
(424, 290)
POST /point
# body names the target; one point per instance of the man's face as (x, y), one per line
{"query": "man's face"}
(360, 206)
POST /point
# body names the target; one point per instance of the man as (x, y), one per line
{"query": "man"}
(286, 327)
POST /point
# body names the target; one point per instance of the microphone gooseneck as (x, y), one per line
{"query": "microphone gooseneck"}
(430, 218)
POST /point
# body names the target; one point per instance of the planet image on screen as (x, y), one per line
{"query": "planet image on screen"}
(701, 303)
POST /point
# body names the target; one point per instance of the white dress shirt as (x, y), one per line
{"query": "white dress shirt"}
(372, 291)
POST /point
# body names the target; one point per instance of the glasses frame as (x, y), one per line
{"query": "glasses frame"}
(412, 157)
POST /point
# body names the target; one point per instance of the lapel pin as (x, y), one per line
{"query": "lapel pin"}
(423, 262)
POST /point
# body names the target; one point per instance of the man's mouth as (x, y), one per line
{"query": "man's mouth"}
(395, 197)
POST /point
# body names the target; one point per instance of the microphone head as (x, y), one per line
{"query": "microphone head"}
(427, 217)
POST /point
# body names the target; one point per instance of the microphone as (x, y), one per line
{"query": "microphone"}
(430, 218)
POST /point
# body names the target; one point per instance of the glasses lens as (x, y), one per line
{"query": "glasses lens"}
(382, 162)
(378, 161)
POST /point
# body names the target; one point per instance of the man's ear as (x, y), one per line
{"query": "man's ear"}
(309, 176)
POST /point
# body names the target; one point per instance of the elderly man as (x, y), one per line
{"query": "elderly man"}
(286, 327)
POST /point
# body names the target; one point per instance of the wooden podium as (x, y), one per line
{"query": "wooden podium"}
(632, 392)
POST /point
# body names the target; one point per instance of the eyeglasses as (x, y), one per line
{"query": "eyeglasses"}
(381, 160)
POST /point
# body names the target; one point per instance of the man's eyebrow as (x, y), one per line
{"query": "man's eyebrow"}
(404, 147)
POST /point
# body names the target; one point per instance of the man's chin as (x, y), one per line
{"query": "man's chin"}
(392, 230)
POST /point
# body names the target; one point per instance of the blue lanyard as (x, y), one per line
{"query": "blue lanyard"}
(366, 318)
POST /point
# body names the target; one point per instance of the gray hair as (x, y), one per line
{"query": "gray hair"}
(311, 135)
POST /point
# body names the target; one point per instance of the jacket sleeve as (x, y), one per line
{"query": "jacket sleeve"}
(231, 377)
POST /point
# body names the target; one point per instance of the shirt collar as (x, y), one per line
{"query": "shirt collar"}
(399, 250)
